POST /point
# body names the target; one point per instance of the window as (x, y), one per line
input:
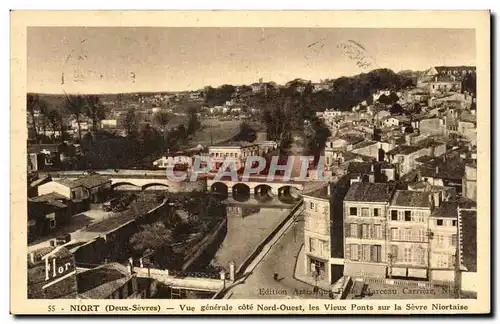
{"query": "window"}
(394, 233)
(454, 223)
(439, 222)
(407, 216)
(394, 253)
(353, 211)
(394, 215)
(407, 252)
(354, 230)
(376, 253)
(454, 240)
(365, 228)
(421, 256)
(52, 223)
(421, 235)
(354, 252)
(365, 212)
(378, 232)
(311, 205)
(375, 212)
(366, 253)
(73, 194)
(312, 245)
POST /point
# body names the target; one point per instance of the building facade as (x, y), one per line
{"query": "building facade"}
(365, 245)
(408, 228)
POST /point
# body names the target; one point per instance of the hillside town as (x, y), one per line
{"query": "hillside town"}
(396, 219)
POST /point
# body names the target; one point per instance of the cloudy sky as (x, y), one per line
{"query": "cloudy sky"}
(118, 59)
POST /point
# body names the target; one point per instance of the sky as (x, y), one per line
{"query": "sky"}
(135, 59)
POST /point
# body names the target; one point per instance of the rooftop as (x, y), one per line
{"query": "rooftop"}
(404, 150)
(136, 210)
(447, 209)
(370, 192)
(408, 198)
(52, 198)
(240, 144)
(91, 181)
(101, 282)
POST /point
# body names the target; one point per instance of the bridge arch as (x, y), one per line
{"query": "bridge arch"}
(155, 186)
(288, 194)
(220, 188)
(125, 186)
(241, 192)
(263, 193)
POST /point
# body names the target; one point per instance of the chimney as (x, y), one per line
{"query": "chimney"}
(437, 169)
(130, 266)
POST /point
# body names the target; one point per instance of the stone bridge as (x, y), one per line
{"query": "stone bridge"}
(258, 187)
(137, 180)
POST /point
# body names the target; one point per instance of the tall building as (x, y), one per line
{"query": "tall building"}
(365, 245)
(408, 228)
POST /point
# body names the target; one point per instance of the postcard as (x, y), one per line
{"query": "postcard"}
(250, 162)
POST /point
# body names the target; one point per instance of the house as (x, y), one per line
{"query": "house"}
(237, 152)
(65, 187)
(46, 213)
(458, 72)
(365, 246)
(444, 84)
(467, 126)
(469, 182)
(94, 188)
(51, 274)
(111, 281)
(391, 121)
(98, 187)
(444, 229)
(445, 172)
(41, 156)
(317, 232)
(344, 142)
(408, 228)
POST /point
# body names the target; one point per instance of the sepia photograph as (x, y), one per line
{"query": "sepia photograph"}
(226, 163)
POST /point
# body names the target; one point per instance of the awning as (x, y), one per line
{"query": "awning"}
(400, 272)
(417, 273)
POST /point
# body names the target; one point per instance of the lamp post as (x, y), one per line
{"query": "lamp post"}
(390, 258)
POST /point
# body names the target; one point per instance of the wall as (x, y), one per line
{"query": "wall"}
(53, 186)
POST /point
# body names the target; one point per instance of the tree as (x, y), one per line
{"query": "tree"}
(246, 133)
(76, 106)
(193, 122)
(154, 237)
(54, 119)
(396, 109)
(94, 110)
(131, 123)
(31, 105)
(161, 118)
(43, 109)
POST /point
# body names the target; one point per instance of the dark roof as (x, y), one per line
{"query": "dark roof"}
(408, 198)
(39, 254)
(91, 181)
(352, 139)
(67, 183)
(321, 193)
(136, 210)
(370, 192)
(404, 149)
(52, 198)
(101, 282)
(449, 169)
(447, 209)
(469, 238)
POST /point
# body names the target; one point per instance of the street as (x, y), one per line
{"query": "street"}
(281, 259)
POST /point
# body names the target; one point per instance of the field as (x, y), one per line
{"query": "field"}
(215, 131)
